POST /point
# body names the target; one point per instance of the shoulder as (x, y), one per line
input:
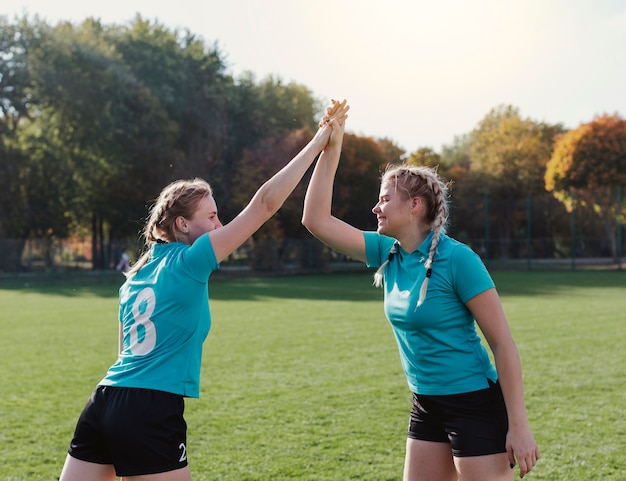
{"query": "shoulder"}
(454, 249)
(461, 249)
(377, 247)
(468, 273)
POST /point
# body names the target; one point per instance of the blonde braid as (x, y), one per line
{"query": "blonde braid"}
(378, 276)
(439, 226)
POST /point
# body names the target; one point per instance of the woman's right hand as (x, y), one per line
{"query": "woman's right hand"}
(333, 120)
(336, 110)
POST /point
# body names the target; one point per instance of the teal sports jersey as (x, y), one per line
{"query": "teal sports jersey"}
(440, 349)
(165, 316)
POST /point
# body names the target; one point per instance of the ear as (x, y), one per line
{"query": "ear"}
(416, 205)
(181, 224)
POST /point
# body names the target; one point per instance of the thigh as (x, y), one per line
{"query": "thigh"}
(182, 474)
(495, 467)
(77, 470)
(428, 461)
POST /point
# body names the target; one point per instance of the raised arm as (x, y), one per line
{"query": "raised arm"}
(317, 216)
(273, 193)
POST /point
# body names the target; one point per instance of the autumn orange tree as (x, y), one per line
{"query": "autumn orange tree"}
(355, 192)
(588, 166)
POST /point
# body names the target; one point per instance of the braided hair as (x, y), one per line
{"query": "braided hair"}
(423, 182)
(180, 198)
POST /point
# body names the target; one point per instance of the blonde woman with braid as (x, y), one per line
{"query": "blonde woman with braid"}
(132, 426)
(468, 420)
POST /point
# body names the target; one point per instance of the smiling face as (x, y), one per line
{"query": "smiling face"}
(393, 211)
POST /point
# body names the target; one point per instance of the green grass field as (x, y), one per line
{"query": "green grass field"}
(301, 377)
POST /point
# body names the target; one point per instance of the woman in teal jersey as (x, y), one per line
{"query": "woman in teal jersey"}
(468, 419)
(132, 426)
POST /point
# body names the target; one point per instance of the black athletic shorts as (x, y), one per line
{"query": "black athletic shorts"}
(138, 431)
(473, 423)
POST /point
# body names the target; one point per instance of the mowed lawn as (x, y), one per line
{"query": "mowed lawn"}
(301, 377)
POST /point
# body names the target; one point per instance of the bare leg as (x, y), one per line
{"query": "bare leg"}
(494, 467)
(77, 470)
(181, 474)
(429, 461)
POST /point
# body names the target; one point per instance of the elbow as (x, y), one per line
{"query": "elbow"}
(308, 221)
(271, 209)
(506, 350)
(266, 205)
(316, 220)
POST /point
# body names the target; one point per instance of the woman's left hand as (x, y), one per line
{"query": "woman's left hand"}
(522, 448)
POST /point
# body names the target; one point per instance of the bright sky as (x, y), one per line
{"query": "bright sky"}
(419, 72)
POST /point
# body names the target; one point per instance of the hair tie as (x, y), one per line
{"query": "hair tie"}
(378, 276)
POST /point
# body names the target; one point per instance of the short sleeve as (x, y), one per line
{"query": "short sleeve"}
(377, 248)
(200, 259)
(470, 276)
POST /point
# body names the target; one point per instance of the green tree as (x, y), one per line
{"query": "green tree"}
(34, 176)
(509, 154)
(118, 134)
(14, 83)
(259, 114)
(453, 165)
(16, 40)
(187, 77)
(96, 119)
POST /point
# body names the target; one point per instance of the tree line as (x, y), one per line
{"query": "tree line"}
(95, 119)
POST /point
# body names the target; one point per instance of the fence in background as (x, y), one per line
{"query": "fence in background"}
(528, 233)
(309, 255)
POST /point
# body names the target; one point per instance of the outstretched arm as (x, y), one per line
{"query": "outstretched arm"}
(317, 216)
(273, 193)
